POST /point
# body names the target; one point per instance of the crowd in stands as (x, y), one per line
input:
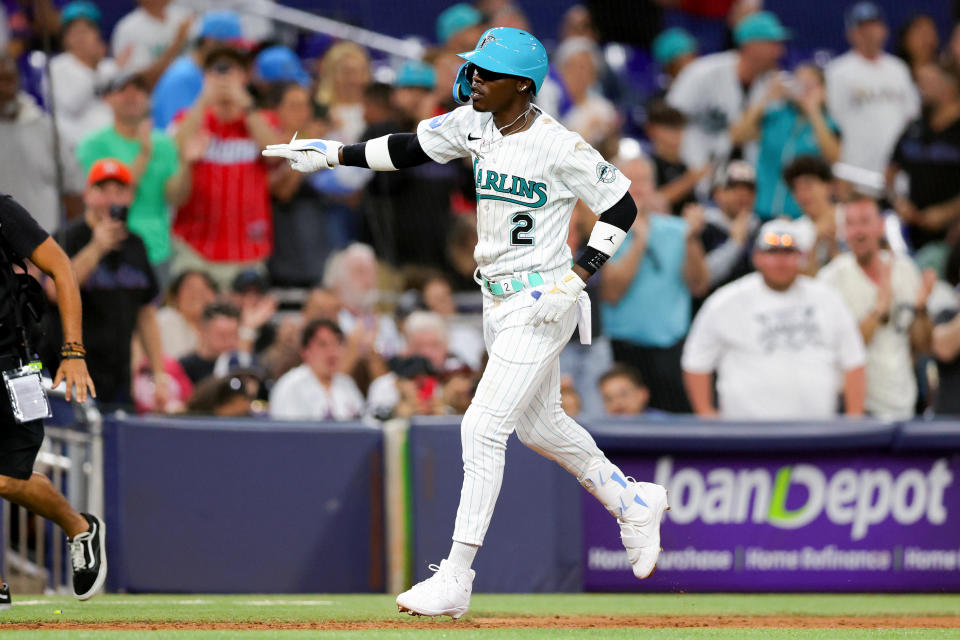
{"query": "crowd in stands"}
(796, 254)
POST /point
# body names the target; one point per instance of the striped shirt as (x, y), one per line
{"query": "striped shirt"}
(227, 218)
(527, 184)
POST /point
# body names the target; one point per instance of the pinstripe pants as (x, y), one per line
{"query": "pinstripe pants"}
(520, 389)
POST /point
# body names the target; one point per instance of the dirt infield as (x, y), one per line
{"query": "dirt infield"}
(557, 622)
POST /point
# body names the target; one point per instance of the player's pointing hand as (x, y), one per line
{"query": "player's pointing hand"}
(308, 154)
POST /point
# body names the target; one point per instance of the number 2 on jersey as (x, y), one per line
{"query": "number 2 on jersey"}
(522, 225)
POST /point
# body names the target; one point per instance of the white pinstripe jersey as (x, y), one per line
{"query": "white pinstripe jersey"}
(527, 185)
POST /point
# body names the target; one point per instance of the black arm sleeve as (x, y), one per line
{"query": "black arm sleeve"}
(405, 152)
(620, 215)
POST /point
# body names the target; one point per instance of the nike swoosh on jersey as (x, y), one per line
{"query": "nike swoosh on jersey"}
(471, 138)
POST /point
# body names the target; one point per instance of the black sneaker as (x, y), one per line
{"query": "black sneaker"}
(5, 599)
(88, 554)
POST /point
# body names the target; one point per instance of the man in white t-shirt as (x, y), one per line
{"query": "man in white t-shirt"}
(150, 37)
(315, 390)
(782, 344)
(715, 90)
(869, 92)
(887, 295)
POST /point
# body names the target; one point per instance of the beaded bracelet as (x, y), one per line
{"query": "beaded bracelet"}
(72, 348)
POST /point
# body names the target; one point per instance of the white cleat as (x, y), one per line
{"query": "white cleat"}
(639, 519)
(445, 593)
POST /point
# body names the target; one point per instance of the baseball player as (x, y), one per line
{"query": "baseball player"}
(529, 172)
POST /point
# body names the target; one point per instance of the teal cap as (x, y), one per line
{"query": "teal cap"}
(671, 44)
(416, 74)
(453, 19)
(761, 26)
(79, 9)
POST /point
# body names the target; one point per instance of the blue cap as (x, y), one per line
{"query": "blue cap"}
(863, 12)
(761, 26)
(79, 9)
(220, 25)
(671, 44)
(452, 19)
(506, 50)
(416, 74)
(280, 64)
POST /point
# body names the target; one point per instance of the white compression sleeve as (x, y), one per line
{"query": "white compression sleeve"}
(378, 154)
(606, 238)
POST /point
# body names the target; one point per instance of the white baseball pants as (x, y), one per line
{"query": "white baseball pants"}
(520, 389)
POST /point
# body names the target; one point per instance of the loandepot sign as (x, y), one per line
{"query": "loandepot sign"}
(853, 498)
(867, 521)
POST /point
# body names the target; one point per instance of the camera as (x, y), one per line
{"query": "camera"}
(119, 212)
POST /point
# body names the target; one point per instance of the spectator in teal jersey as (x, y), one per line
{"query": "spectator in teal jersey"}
(161, 175)
(647, 288)
(790, 121)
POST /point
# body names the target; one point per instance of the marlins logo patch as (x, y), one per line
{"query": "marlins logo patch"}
(606, 172)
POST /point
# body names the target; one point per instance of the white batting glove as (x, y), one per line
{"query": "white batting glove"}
(307, 155)
(554, 300)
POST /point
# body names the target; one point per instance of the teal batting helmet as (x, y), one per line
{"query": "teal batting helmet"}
(503, 50)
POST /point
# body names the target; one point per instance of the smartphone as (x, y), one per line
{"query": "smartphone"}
(119, 212)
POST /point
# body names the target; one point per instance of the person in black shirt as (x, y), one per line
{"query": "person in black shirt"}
(117, 284)
(21, 238)
(929, 153)
(675, 182)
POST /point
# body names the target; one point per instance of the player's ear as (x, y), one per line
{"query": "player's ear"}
(523, 86)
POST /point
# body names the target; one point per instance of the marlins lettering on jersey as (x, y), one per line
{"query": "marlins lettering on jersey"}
(529, 193)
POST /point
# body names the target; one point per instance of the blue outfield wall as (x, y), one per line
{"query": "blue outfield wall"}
(218, 505)
(833, 506)
(235, 506)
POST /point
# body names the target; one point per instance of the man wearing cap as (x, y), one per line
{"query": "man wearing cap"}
(278, 65)
(411, 92)
(781, 343)
(182, 82)
(458, 27)
(76, 74)
(731, 224)
(869, 92)
(226, 225)
(713, 91)
(28, 170)
(117, 284)
(161, 176)
(673, 50)
(149, 38)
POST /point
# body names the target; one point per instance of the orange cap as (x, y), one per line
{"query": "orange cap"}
(109, 169)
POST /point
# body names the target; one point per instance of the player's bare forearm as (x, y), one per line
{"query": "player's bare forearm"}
(854, 391)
